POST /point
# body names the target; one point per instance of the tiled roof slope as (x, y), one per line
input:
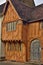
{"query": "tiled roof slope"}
(29, 14)
(28, 2)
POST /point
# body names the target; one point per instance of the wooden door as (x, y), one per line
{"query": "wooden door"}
(35, 50)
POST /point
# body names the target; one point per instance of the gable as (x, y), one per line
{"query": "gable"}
(23, 10)
(11, 14)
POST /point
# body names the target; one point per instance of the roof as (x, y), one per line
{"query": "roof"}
(2, 9)
(23, 10)
(27, 13)
(37, 13)
(28, 2)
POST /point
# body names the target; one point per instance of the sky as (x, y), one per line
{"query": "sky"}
(37, 2)
(2, 1)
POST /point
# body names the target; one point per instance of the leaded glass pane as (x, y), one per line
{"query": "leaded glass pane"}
(14, 25)
(35, 50)
(9, 26)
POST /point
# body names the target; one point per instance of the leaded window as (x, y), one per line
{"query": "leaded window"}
(14, 47)
(10, 47)
(11, 26)
(35, 50)
(8, 27)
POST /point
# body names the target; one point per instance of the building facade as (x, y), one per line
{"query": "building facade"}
(22, 32)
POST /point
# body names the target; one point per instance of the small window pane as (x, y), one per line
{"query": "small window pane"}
(14, 25)
(41, 25)
(9, 26)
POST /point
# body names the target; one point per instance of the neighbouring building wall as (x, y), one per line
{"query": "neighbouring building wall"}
(1, 46)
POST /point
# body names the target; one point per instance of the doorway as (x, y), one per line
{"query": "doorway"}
(35, 50)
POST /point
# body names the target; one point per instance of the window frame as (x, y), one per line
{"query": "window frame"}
(11, 26)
